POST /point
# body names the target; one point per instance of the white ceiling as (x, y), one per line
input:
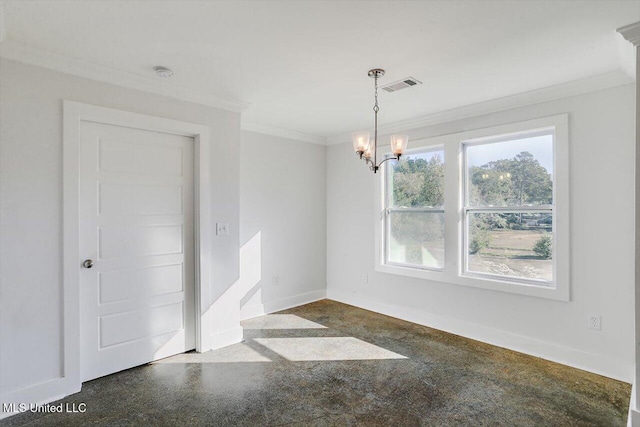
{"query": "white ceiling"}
(303, 65)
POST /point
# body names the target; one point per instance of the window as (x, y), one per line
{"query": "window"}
(508, 211)
(414, 226)
(487, 208)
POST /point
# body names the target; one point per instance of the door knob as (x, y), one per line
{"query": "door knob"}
(87, 263)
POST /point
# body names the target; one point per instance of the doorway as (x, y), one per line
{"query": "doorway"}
(137, 239)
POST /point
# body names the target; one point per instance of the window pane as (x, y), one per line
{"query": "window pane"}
(510, 173)
(416, 238)
(511, 244)
(417, 180)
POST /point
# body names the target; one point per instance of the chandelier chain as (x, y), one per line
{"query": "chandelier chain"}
(375, 107)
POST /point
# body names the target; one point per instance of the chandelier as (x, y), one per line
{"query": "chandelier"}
(368, 149)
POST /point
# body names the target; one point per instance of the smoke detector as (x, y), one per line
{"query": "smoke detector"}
(163, 72)
(401, 84)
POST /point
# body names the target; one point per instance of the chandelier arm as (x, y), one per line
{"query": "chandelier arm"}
(389, 158)
(369, 162)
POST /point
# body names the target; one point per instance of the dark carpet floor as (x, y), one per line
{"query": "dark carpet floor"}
(330, 364)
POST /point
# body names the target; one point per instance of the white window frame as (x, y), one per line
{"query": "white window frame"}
(455, 246)
(386, 211)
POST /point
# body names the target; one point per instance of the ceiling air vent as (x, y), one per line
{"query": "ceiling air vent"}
(401, 84)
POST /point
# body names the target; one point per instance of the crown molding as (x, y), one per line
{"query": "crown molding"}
(89, 70)
(22, 53)
(564, 90)
(631, 33)
(283, 133)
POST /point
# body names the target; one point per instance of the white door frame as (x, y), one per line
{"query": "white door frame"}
(74, 114)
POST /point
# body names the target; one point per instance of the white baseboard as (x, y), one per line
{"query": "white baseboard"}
(226, 338)
(251, 311)
(294, 301)
(39, 394)
(282, 304)
(567, 356)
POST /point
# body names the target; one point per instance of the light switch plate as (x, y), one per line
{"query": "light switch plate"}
(222, 228)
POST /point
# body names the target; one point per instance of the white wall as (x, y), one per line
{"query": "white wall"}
(601, 126)
(31, 215)
(282, 223)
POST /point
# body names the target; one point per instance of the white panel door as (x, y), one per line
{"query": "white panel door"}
(136, 227)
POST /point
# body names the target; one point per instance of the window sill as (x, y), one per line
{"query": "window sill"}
(552, 291)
